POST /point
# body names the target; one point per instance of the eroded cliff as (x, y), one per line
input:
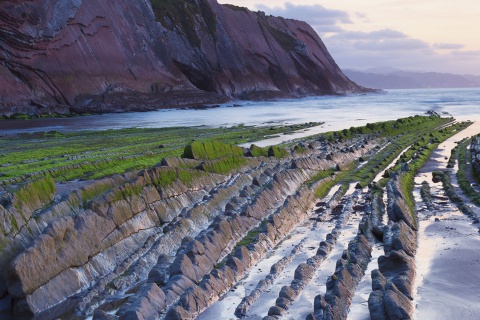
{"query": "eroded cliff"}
(85, 55)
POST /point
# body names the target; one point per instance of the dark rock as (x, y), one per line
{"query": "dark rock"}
(283, 303)
(276, 311)
(311, 316)
(181, 76)
(178, 313)
(319, 303)
(159, 273)
(288, 293)
(399, 268)
(397, 306)
(403, 238)
(102, 315)
(304, 272)
(149, 301)
(376, 306)
(378, 280)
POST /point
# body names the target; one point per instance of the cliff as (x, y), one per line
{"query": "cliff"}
(85, 55)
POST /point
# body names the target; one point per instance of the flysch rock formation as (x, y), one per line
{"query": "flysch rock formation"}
(130, 247)
(77, 56)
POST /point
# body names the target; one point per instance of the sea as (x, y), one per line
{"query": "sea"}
(335, 112)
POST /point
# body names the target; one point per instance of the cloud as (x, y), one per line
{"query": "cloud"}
(322, 19)
(396, 45)
(467, 53)
(374, 35)
(448, 46)
(382, 47)
(380, 40)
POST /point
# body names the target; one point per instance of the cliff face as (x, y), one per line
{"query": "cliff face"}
(114, 55)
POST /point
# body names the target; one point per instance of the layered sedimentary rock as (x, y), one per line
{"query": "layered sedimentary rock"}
(85, 55)
(138, 247)
(475, 153)
(392, 282)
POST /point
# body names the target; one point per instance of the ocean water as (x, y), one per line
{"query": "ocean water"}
(337, 112)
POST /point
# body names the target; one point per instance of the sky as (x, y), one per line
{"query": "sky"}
(427, 35)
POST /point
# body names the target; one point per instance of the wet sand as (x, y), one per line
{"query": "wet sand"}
(448, 257)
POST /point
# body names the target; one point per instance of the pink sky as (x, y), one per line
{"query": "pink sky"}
(427, 35)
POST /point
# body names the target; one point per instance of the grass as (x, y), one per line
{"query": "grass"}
(325, 186)
(126, 192)
(94, 190)
(257, 151)
(277, 152)
(418, 132)
(320, 176)
(41, 191)
(210, 150)
(168, 176)
(67, 156)
(225, 165)
(463, 181)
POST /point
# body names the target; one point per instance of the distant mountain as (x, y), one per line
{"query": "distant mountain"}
(390, 78)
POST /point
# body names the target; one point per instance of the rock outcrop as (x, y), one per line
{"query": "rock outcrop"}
(392, 282)
(85, 55)
(154, 241)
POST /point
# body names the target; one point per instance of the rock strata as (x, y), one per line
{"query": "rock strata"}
(168, 240)
(116, 56)
(392, 283)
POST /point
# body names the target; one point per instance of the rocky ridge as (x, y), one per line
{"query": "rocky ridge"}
(139, 247)
(84, 56)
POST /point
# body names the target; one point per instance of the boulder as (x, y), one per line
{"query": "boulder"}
(376, 306)
(397, 306)
(304, 272)
(147, 303)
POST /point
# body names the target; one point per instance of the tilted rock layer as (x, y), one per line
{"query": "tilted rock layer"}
(112, 55)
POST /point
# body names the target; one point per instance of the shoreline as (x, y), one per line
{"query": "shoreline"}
(448, 256)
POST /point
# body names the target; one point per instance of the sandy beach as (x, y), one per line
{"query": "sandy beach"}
(448, 256)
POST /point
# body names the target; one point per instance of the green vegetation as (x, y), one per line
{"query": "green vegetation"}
(325, 186)
(67, 156)
(320, 176)
(210, 150)
(286, 41)
(421, 135)
(94, 190)
(126, 192)
(168, 176)
(236, 8)
(252, 235)
(454, 155)
(39, 191)
(14, 224)
(256, 151)
(182, 15)
(462, 175)
(225, 165)
(277, 152)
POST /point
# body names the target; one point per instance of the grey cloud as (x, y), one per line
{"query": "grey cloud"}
(468, 53)
(325, 20)
(348, 56)
(448, 46)
(392, 45)
(374, 35)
